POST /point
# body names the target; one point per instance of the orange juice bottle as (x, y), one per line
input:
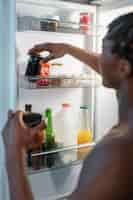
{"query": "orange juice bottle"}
(85, 134)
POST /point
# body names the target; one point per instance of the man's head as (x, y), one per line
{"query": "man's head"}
(117, 55)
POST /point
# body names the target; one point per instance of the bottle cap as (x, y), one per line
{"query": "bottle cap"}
(47, 111)
(66, 105)
(84, 107)
(28, 107)
(44, 64)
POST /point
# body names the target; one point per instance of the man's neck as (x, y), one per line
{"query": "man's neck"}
(123, 101)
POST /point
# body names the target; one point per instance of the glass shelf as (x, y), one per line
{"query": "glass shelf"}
(65, 30)
(66, 15)
(59, 157)
(36, 82)
(44, 8)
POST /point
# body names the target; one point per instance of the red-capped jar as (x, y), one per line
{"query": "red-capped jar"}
(44, 73)
(85, 22)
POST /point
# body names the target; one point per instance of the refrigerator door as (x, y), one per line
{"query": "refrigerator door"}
(8, 74)
(53, 184)
(7, 79)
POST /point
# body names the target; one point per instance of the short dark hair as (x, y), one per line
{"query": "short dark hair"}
(121, 32)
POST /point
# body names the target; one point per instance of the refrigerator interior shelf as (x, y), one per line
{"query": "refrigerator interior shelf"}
(43, 8)
(59, 157)
(64, 30)
(37, 82)
(60, 148)
(83, 31)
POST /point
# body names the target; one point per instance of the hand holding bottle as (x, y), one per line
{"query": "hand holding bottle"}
(17, 136)
(56, 50)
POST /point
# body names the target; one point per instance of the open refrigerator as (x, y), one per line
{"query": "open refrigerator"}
(79, 85)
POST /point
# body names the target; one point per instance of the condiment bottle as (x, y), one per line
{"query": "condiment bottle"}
(34, 161)
(28, 109)
(50, 139)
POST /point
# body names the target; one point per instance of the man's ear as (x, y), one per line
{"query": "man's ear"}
(124, 68)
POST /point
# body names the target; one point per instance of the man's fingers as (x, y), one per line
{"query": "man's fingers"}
(36, 49)
(43, 47)
(40, 48)
(48, 58)
(19, 117)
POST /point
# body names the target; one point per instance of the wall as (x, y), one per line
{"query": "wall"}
(113, 4)
(107, 113)
(106, 101)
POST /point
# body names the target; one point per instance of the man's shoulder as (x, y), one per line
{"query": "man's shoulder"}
(117, 150)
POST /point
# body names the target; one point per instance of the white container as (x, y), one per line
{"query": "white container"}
(69, 16)
(65, 129)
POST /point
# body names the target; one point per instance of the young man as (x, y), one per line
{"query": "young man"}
(107, 173)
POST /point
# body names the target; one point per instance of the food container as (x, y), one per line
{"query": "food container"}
(43, 82)
(69, 16)
(49, 25)
(85, 22)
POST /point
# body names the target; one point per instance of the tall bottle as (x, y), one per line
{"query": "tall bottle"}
(67, 121)
(36, 161)
(33, 66)
(85, 134)
(28, 109)
(50, 139)
(66, 132)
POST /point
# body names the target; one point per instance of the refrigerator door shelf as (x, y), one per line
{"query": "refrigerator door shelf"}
(60, 157)
(36, 82)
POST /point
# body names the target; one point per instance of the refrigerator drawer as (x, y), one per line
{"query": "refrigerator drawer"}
(55, 184)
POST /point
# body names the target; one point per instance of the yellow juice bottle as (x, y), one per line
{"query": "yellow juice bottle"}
(85, 135)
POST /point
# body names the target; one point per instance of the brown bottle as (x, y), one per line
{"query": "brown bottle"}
(28, 108)
(33, 119)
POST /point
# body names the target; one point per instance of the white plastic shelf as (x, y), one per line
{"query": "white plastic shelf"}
(36, 82)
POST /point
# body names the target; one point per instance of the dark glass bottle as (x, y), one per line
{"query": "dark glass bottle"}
(33, 66)
(28, 109)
